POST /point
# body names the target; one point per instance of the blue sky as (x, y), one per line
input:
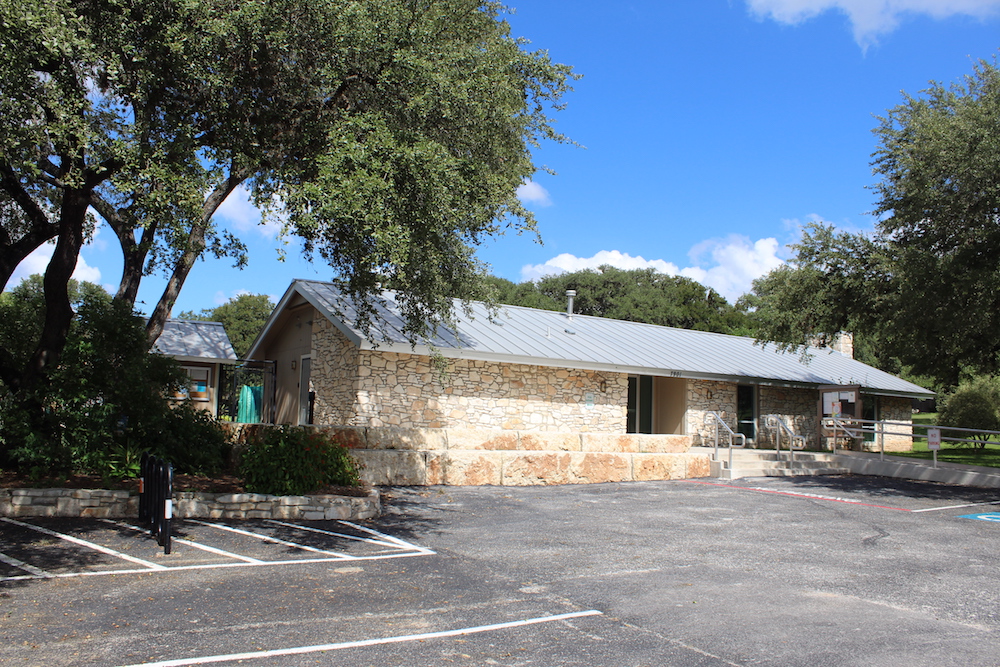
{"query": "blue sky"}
(711, 130)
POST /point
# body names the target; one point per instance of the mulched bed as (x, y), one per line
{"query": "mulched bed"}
(216, 484)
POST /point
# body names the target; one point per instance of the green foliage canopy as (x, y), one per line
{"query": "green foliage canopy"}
(390, 136)
(924, 290)
(104, 402)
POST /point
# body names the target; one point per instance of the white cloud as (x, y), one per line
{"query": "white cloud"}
(566, 263)
(240, 212)
(727, 265)
(870, 18)
(734, 263)
(533, 193)
(37, 261)
(221, 297)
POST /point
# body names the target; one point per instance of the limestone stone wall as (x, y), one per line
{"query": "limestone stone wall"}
(897, 410)
(896, 438)
(460, 457)
(334, 374)
(797, 408)
(704, 397)
(102, 503)
(378, 388)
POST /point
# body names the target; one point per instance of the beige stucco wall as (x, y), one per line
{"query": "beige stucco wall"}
(291, 340)
(670, 405)
(378, 388)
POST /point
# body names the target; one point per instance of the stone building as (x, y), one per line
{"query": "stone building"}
(529, 371)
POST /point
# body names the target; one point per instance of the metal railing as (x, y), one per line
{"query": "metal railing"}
(775, 423)
(857, 429)
(714, 419)
(156, 498)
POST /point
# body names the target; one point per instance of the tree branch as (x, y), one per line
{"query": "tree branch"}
(194, 247)
(40, 228)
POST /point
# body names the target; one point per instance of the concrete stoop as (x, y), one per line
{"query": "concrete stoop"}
(472, 457)
(758, 463)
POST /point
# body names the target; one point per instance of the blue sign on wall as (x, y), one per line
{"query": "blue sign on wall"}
(994, 516)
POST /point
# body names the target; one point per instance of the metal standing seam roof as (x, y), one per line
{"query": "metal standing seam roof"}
(191, 339)
(550, 338)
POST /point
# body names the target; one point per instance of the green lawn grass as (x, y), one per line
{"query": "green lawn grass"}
(949, 452)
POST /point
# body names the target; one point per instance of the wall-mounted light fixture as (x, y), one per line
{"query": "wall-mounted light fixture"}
(708, 393)
(293, 364)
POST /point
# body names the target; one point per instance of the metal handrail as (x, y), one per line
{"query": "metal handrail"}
(857, 428)
(717, 419)
(794, 441)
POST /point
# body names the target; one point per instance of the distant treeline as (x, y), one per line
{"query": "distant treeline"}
(638, 295)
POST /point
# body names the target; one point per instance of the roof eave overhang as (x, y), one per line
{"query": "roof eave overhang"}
(203, 360)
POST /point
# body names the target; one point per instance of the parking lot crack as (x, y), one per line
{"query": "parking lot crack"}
(872, 540)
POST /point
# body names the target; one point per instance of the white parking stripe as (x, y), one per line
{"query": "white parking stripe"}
(333, 534)
(273, 540)
(232, 657)
(956, 507)
(21, 565)
(195, 545)
(213, 566)
(387, 537)
(85, 543)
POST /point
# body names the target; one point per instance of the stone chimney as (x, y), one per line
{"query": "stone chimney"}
(843, 342)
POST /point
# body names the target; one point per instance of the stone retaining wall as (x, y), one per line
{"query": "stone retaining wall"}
(100, 503)
(472, 457)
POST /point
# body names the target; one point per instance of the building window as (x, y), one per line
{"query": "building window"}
(197, 385)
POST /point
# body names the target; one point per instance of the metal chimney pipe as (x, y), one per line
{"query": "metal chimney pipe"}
(570, 293)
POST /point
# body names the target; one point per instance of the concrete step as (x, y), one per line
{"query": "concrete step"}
(780, 465)
(758, 455)
(738, 473)
(766, 463)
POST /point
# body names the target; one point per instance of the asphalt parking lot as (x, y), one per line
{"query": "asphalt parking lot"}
(816, 571)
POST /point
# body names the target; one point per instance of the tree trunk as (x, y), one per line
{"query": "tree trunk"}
(58, 311)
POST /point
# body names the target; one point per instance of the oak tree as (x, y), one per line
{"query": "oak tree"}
(389, 135)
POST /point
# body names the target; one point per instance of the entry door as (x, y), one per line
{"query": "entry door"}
(746, 410)
(640, 404)
(305, 395)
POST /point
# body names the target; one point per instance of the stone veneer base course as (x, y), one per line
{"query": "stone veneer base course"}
(103, 504)
(473, 457)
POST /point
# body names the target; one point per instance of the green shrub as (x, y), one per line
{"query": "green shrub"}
(104, 403)
(974, 404)
(293, 461)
